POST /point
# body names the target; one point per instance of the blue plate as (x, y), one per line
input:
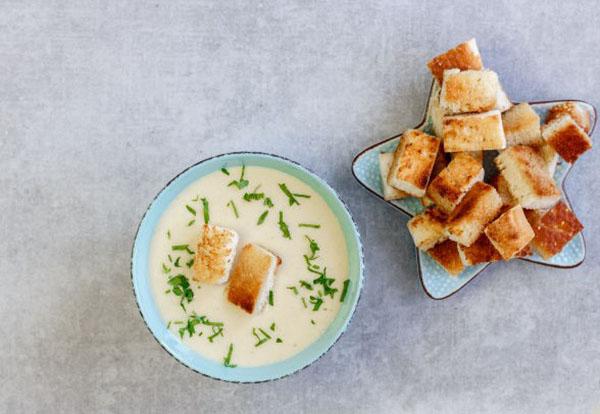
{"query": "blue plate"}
(141, 276)
(436, 282)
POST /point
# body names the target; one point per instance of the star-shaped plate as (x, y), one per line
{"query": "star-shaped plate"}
(436, 282)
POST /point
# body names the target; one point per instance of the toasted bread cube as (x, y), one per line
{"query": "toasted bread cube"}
(413, 162)
(469, 91)
(527, 177)
(464, 56)
(510, 233)
(553, 229)
(579, 115)
(427, 228)
(566, 137)
(481, 251)
(477, 155)
(214, 254)
(450, 186)
(502, 101)
(522, 126)
(480, 206)
(252, 278)
(446, 255)
(389, 192)
(437, 114)
(501, 186)
(550, 157)
(473, 132)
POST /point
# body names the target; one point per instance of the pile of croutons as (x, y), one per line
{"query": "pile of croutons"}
(467, 220)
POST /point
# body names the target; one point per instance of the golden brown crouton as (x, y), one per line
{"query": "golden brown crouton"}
(469, 91)
(427, 228)
(553, 229)
(446, 255)
(510, 232)
(566, 137)
(464, 56)
(522, 126)
(473, 132)
(214, 254)
(579, 115)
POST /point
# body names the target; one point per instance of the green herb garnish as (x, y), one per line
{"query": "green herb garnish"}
(190, 263)
(176, 264)
(271, 297)
(268, 202)
(242, 182)
(169, 234)
(306, 285)
(323, 280)
(272, 327)
(291, 199)
(261, 339)
(313, 322)
(279, 340)
(191, 222)
(225, 171)
(169, 325)
(293, 289)
(345, 289)
(312, 226)
(165, 269)
(253, 196)
(304, 302)
(262, 217)
(195, 320)
(316, 302)
(181, 287)
(190, 209)
(205, 210)
(182, 247)
(227, 359)
(234, 208)
(216, 332)
(285, 231)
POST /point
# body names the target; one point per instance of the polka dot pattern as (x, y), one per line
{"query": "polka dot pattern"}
(436, 281)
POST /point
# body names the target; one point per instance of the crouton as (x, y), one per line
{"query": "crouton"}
(527, 177)
(502, 101)
(510, 232)
(499, 183)
(464, 56)
(566, 137)
(473, 132)
(550, 157)
(553, 229)
(477, 155)
(214, 256)
(477, 208)
(413, 162)
(522, 126)
(427, 228)
(579, 115)
(389, 192)
(469, 91)
(252, 278)
(446, 255)
(437, 114)
(450, 186)
(481, 251)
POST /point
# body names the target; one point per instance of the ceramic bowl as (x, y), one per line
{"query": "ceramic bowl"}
(436, 282)
(141, 276)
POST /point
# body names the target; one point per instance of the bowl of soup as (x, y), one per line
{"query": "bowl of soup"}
(276, 206)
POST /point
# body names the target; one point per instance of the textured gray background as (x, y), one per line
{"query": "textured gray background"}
(102, 102)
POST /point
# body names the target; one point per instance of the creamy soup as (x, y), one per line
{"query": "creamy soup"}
(299, 309)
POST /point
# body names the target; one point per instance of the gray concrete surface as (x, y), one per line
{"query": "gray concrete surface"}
(102, 102)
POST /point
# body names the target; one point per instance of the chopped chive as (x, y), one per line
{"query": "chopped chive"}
(260, 340)
(242, 182)
(262, 331)
(182, 247)
(293, 289)
(227, 359)
(262, 218)
(190, 263)
(191, 222)
(272, 327)
(196, 198)
(170, 258)
(167, 291)
(216, 332)
(312, 226)
(253, 196)
(313, 322)
(306, 285)
(304, 302)
(176, 264)
(285, 231)
(316, 302)
(169, 325)
(205, 210)
(190, 209)
(345, 289)
(169, 234)
(279, 340)
(271, 297)
(165, 269)
(291, 199)
(225, 171)
(234, 208)
(301, 195)
(268, 202)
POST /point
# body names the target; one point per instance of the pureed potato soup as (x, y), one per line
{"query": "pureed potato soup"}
(271, 209)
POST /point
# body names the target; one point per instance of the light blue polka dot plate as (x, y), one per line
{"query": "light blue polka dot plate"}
(436, 282)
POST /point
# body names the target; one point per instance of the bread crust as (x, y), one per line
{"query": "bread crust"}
(573, 109)
(567, 138)
(510, 232)
(389, 192)
(464, 56)
(252, 270)
(473, 132)
(446, 255)
(527, 177)
(413, 162)
(553, 229)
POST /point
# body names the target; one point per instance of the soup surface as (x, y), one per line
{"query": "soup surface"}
(278, 212)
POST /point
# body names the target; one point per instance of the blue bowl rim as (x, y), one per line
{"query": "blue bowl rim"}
(356, 234)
